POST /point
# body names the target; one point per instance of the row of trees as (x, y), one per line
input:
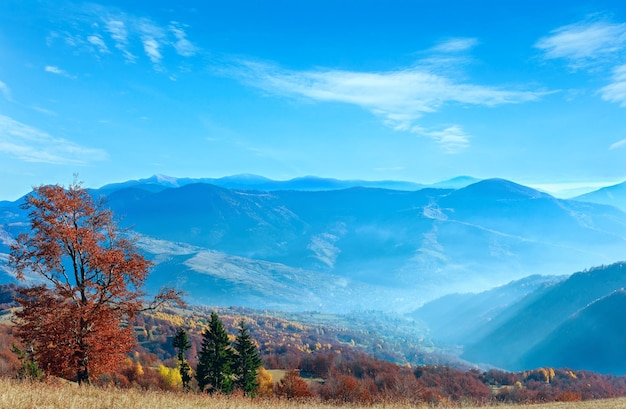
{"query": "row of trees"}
(222, 366)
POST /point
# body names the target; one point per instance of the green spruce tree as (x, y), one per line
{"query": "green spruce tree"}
(247, 362)
(181, 344)
(214, 371)
(28, 370)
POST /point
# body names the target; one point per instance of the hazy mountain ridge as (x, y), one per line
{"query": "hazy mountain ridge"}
(459, 317)
(406, 247)
(255, 182)
(614, 195)
(527, 332)
(419, 239)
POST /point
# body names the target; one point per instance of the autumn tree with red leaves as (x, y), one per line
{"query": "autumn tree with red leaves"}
(93, 275)
(292, 386)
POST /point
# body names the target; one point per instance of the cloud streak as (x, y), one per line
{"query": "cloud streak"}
(616, 91)
(598, 46)
(585, 43)
(97, 41)
(182, 45)
(29, 144)
(398, 97)
(618, 144)
(119, 34)
(130, 35)
(57, 71)
(451, 139)
(455, 45)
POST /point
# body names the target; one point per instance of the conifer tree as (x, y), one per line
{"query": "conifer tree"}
(181, 344)
(247, 362)
(215, 359)
(29, 368)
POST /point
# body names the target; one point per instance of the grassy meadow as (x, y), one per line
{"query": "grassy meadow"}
(24, 395)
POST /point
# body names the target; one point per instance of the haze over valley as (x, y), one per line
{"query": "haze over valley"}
(463, 258)
(390, 250)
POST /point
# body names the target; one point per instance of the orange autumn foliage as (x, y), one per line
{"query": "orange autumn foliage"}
(93, 274)
(292, 386)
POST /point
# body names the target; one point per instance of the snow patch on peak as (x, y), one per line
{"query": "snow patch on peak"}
(166, 180)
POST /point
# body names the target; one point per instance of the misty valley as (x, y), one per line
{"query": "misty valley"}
(485, 273)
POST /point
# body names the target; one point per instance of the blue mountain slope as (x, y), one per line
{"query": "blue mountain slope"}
(459, 318)
(591, 339)
(520, 211)
(525, 325)
(611, 195)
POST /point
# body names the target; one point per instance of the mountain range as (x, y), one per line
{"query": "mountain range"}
(302, 245)
(485, 265)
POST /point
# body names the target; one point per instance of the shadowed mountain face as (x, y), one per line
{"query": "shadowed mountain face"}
(462, 318)
(577, 323)
(353, 248)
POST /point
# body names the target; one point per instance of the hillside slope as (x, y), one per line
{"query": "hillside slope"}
(527, 332)
(592, 339)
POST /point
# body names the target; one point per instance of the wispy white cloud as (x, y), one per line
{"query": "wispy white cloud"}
(616, 90)
(585, 43)
(44, 110)
(54, 70)
(153, 39)
(94, 26)
(455, 45)
(182, 45)
(5, 91)
(30, 144)
(151, 47)
(97, 41)
(599, 46)
(119, 35)
(451, 139)
(398, 97)
(618, 144)
(58, 71)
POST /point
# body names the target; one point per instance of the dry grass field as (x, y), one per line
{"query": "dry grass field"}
(20, 395)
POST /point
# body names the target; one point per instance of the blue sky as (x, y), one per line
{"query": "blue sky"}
(531, 91)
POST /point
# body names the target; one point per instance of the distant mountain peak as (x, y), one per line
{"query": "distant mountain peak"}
(614, 195)
(164, 180)
(458, 182)
(503, 187)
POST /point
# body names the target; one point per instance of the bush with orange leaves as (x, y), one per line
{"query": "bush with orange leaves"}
(292, 386)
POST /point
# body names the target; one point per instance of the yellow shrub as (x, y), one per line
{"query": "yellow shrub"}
(171, 376)
(266, 383)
